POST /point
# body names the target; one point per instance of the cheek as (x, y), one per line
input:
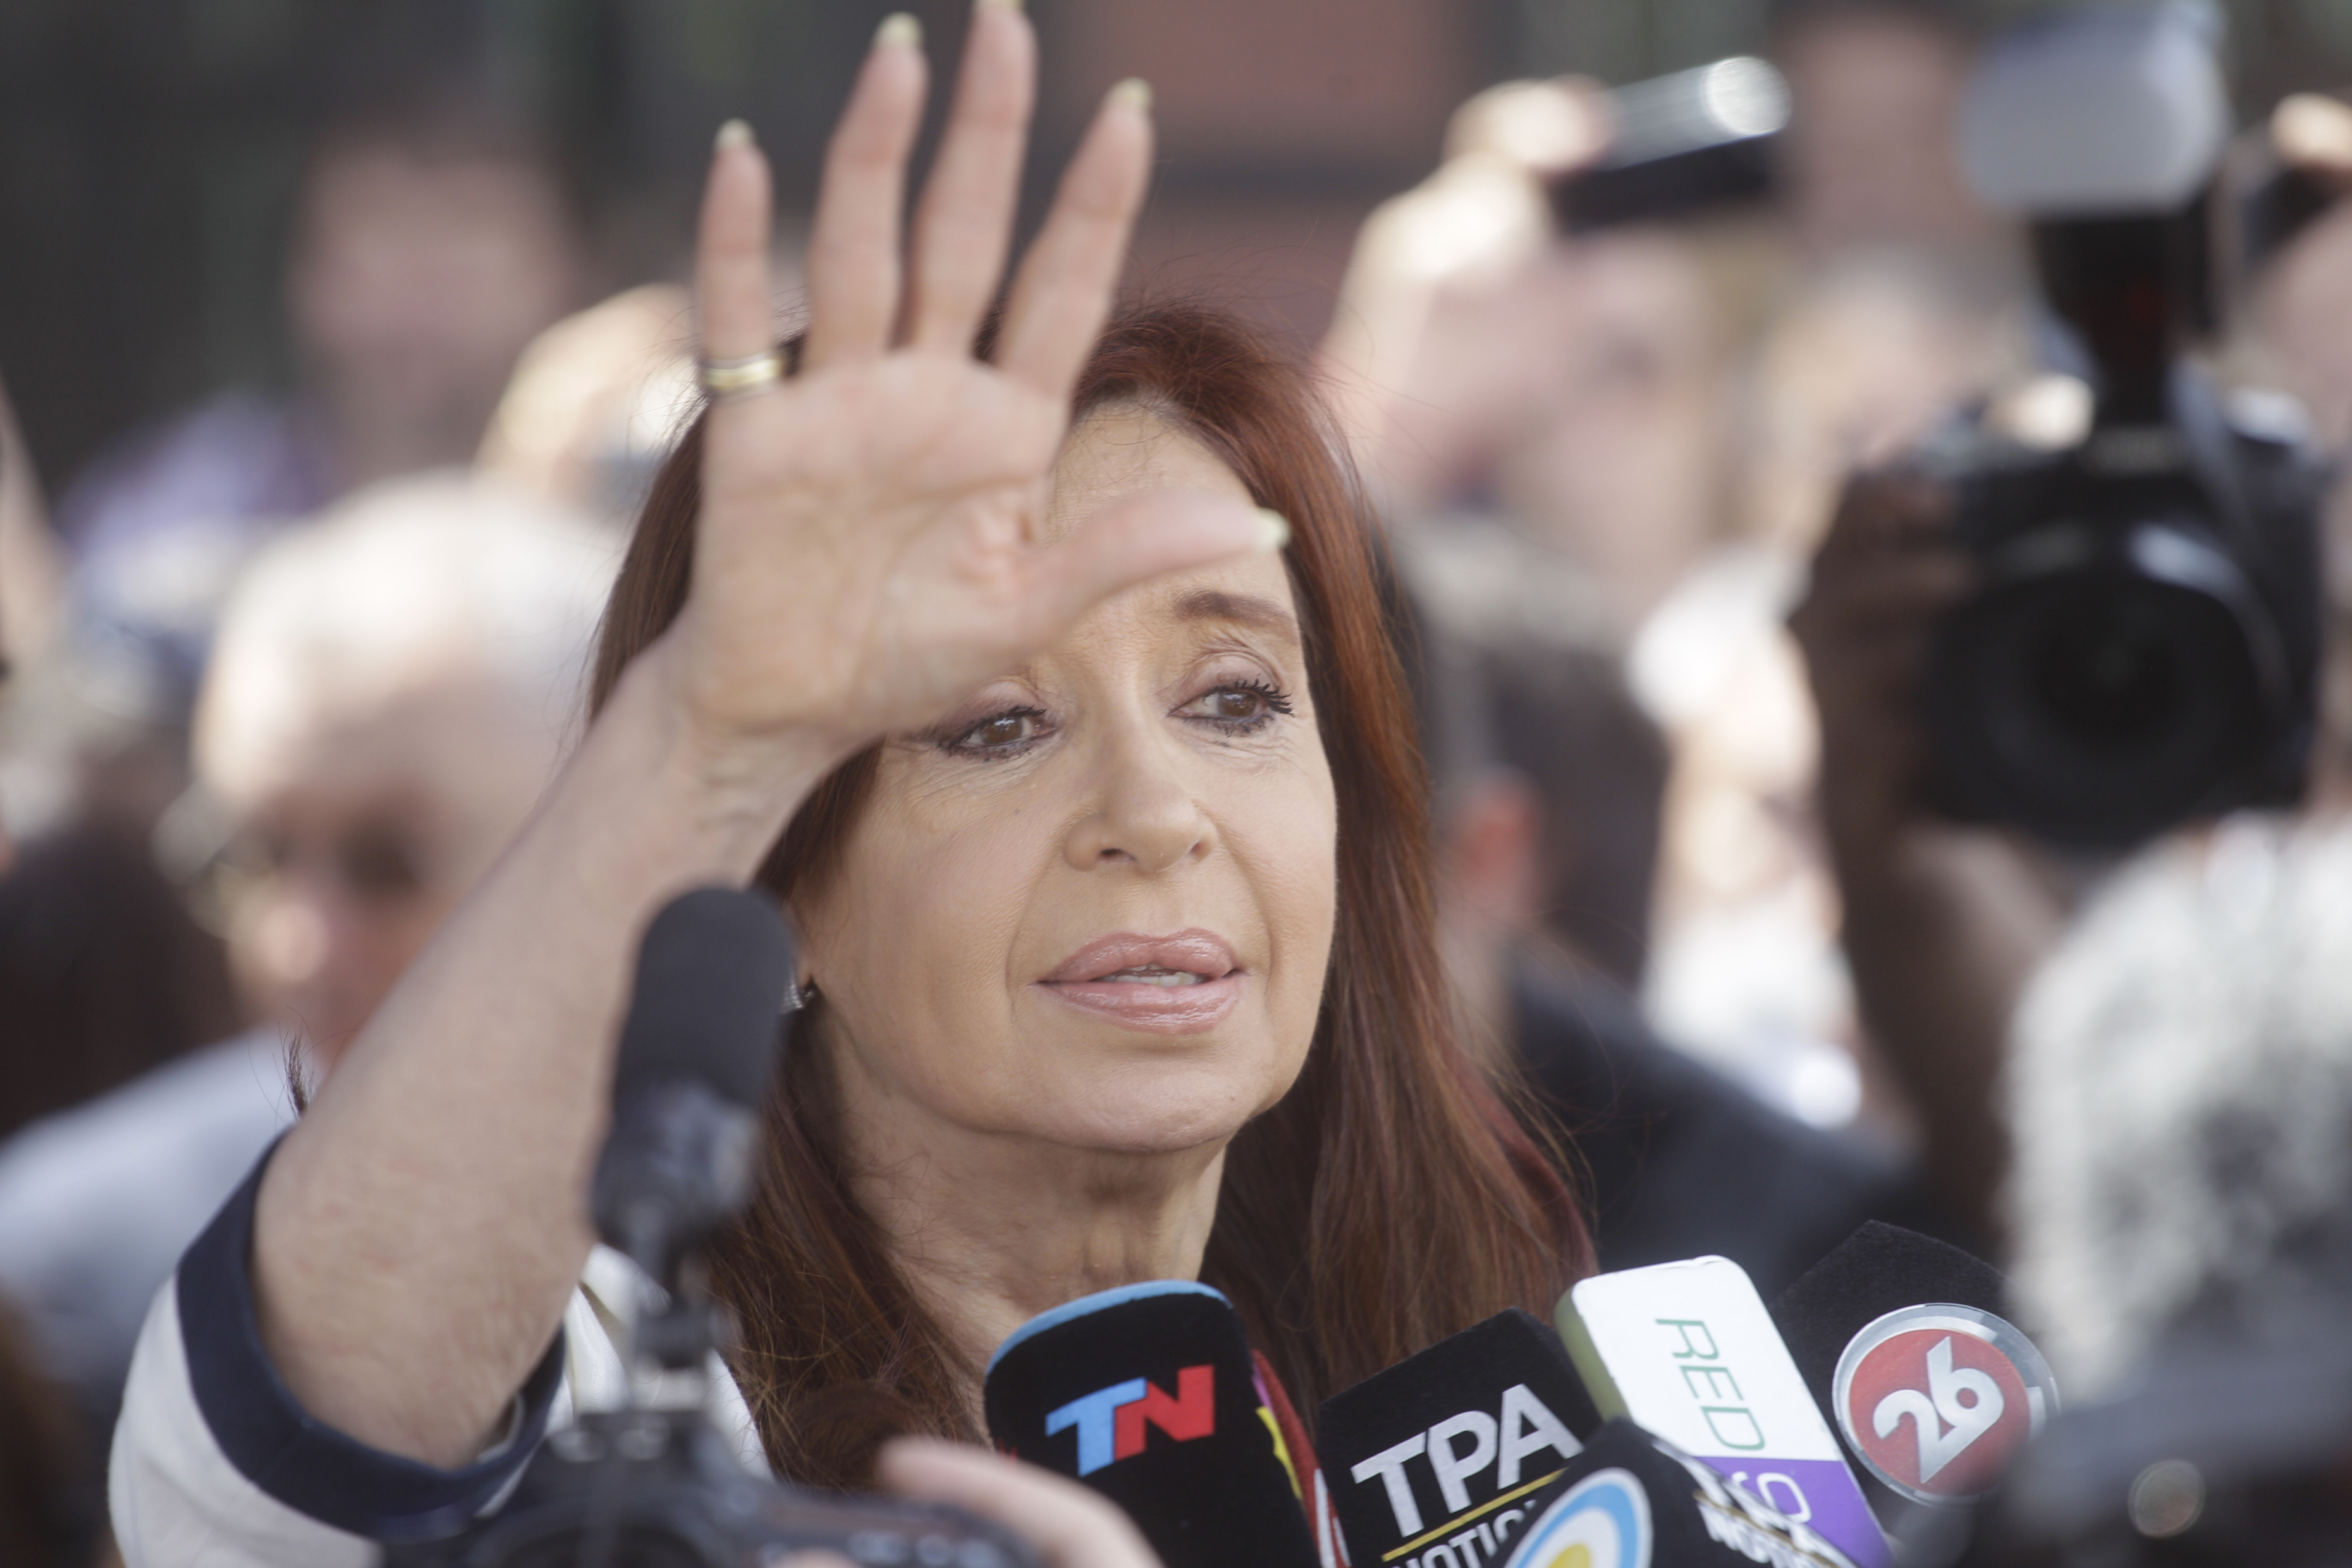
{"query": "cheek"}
(910, 942)
(1286, 840)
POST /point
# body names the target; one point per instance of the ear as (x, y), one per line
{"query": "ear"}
(1493, 850)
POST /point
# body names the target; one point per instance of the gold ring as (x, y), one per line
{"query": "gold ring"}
(724, 378)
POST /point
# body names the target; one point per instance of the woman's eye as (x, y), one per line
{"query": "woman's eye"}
(1000, 732)
(1241, 708)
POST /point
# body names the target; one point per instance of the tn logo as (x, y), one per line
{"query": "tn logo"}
(1110, 1421)
(1967, 1401)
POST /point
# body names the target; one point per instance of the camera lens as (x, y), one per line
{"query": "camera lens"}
(2095, 706)
(2113, 679)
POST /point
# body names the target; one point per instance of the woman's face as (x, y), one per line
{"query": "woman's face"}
(1091, 908)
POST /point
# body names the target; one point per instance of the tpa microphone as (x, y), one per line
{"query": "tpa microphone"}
(1149, 1394)
(1904, 1343)
(1438, 1448)
(1687, 1350)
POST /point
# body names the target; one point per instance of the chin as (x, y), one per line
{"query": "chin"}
(1156, 1108)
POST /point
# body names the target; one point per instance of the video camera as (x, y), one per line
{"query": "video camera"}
(2143, 645)
(657, 1485)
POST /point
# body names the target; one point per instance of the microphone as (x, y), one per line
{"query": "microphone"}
(1903, 1344)
(697, 1051)
(1687, 1350)
(1148, 1394)
(1632, 1500)
(1442, 1449)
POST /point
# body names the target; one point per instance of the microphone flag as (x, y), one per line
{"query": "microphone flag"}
(1903, 1341)
(1687, 1350)
(1149, 1394)
(1446, 1445)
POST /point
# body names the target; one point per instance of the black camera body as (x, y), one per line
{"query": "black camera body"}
(2143, 645)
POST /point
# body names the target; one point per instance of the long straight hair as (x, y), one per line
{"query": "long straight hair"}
(1387, 1201)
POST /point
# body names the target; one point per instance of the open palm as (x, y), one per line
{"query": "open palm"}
(869, 547)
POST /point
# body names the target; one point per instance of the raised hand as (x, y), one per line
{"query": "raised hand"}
(870, 548)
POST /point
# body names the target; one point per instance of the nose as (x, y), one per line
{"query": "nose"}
(1144, 814)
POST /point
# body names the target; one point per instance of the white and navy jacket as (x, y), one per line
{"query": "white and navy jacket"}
(216, 1465)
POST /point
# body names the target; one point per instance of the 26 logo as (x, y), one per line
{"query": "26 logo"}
(1935, 1399)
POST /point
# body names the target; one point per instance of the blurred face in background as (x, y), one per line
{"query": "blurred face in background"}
(416, 283)
(1873, 154)
(358, 836)
(1623, 463)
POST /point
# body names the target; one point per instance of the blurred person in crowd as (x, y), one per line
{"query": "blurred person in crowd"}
(433, 240)
(1871, 163)
(102, 973)
(595, 402)
(1666, 408)
(2145, 1018)
(385, 703)
(1551, 784)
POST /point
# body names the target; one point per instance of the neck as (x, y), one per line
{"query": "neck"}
(992, 1228)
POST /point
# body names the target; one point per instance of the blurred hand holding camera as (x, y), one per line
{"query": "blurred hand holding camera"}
(1943, 923)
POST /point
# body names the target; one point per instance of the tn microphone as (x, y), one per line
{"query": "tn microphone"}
(1148, 1394)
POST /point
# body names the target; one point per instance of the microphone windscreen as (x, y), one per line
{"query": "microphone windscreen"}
(1149, 1394)
(1904, 1343)
(712, 973)
(1456, 1435)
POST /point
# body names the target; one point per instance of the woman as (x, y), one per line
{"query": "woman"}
(1103, 843)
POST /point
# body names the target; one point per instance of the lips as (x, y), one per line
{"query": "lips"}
(1180, 983)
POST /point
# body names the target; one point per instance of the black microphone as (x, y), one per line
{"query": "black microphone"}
(1149, 1394)
(1440, 1447)
(696, 1054)
(1904, 1343)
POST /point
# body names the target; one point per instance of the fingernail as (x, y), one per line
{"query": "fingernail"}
(1134, 90)
(733, 135)
(898, 29)
(1273, 531)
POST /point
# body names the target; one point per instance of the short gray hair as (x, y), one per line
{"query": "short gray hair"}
(440, 577)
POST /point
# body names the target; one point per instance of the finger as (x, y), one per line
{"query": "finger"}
(2313, 131)
(1147, 536)
(730, 262)
(1061, 296)
(966, 218)
(1887, 510)
(1072, 1526)
(1872, 589)
(853, 256)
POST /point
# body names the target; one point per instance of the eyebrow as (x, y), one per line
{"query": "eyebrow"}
(1242, 610)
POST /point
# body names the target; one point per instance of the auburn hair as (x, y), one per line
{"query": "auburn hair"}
(1389, 1200)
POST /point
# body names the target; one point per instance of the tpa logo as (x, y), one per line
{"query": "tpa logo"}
(1935, 1399)
(1110, 1421)
(1525, 1435)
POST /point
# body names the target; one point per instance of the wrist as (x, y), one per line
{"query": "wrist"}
(730, 791)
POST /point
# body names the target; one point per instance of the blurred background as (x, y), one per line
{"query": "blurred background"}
(341, 337)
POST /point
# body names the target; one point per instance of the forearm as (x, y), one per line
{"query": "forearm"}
(1942, 934)
(419, 1231)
